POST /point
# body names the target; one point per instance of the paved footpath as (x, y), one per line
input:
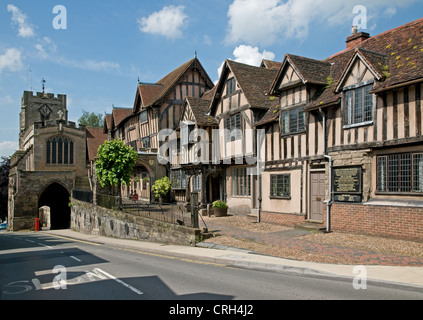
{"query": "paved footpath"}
(292, 239)
(411, 276)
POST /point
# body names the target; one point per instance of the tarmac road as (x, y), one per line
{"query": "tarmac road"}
(67, 265)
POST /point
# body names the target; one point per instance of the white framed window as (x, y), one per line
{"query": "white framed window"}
(358, 105)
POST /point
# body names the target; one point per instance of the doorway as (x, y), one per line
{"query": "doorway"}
(317, 195)
(214, 188)
(56, 197)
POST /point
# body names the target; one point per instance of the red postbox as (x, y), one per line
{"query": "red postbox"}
(37, 224)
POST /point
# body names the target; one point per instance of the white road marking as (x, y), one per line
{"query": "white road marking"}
(75, 258)
(42, 244)
(120, 281)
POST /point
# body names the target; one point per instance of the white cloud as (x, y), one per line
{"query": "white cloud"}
(25, 29)
(250, 55)
(267, 21)
(91, 65)
(45, 47)
(8, 148)
(167, 22)
(11, 60)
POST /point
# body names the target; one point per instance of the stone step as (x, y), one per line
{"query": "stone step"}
(311, 226)
(82, 184)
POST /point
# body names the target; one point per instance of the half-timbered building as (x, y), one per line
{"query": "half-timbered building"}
(226, 116)
(157, 106)
(344, 145)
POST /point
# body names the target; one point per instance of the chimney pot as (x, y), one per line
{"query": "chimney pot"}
(356, 38)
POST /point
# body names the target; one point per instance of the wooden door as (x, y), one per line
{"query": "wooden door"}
(317, 195)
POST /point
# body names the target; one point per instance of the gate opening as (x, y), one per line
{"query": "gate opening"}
(56, 197)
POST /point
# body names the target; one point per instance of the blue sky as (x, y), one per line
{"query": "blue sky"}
(107, 45)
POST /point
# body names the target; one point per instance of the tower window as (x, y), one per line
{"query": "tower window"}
(59, 151)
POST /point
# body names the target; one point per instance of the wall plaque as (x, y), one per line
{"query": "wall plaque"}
(347, 184)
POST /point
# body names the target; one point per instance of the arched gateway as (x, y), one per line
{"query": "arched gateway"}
(56, 198)
(50, 163)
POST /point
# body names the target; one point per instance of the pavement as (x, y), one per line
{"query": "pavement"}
(241, 258)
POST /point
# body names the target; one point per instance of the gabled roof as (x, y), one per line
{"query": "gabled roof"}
(120, 114)
(374, 62)
(253, 81)
(308, 70)
(395, 55)
(152, 94)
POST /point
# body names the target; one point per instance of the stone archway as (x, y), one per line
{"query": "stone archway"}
(56, 197)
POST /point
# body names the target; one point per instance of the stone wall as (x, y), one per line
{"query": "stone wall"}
(91, 219)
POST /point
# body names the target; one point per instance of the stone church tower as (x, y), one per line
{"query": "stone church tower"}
(50, 161)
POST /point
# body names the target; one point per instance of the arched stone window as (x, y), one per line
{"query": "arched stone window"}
(59, 151)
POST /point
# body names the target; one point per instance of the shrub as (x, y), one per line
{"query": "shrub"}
(219, 204)
(161, 188)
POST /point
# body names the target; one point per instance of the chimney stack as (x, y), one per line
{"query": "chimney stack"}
(356, 38)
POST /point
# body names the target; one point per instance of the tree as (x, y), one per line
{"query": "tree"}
(114, 163)
(4, 186)
(90, 119)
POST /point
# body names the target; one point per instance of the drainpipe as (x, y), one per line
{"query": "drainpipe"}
(329, 158)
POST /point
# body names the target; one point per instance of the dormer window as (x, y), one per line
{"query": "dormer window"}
(358, 105)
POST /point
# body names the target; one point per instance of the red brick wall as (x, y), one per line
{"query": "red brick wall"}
(387, 221)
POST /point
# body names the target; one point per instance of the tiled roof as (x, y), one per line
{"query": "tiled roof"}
(200, 108)
(208, 95)
(120, 114)
(396, 55)
(312, 71)
(254, 82)
(271, 115)
(269, 64)
(309, 70)
(152, 94)
(149, 92)
(95, 138)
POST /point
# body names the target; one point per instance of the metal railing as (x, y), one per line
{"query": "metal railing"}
(172, 213)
